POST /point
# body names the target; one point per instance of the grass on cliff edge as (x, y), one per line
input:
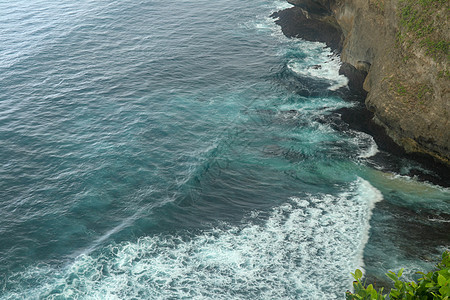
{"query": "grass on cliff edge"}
(433, 285)
(424, 22)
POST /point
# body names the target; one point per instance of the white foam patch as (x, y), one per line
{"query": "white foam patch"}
(365, 142)
(282, 4)
(320, 63)
(371, 151)
(306, 249)
(317, 106)
(264, 21)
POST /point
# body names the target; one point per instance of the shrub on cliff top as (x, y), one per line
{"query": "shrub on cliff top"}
(433, 285)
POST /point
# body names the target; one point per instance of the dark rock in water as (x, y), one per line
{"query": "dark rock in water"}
(401, 126)
(296, 22)
(316, 67)
(355, 79)
(360, 119)
(294, 156)
(289, 154)
(273, 150)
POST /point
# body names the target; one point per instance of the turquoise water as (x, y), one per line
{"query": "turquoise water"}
(170, 150)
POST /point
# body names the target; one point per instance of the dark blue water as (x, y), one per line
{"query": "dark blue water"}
(169, 150)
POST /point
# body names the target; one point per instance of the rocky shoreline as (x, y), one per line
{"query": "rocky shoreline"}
(316, 21)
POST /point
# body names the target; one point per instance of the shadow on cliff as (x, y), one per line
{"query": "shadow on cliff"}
(314, 21)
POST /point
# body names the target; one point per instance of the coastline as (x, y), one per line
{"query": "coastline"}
(423, 235)
(312, 22)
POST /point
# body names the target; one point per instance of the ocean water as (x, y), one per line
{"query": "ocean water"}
(188, 150)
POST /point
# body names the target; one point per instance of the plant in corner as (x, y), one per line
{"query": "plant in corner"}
(433, 285)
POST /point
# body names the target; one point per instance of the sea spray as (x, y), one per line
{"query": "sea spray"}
(302, 244)
(162, 150)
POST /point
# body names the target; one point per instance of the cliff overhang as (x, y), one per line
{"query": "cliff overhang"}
(403, 48)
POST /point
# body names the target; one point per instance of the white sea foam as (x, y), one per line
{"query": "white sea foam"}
(371, 151)
(320, 64)
(282, 4)
(318, 105)
(366, 143)
(438, 220)
(292, 254)
(367, 191)
(319, 61)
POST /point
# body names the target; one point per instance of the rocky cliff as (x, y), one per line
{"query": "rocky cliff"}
(403, 46)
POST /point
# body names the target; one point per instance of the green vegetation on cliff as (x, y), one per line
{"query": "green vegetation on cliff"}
(422, 23)
(433, 285)
(417, 94)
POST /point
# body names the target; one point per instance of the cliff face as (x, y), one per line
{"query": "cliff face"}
(404, 47)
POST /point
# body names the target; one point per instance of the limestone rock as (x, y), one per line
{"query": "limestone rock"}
(408, 84)
(296, 22)
(408, 90)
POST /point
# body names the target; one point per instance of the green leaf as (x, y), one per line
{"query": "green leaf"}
(374, 294)
(391, 275)
(445, 273)
(358, 274)
(393, 294)
(441, 280)
(445, 291)
(434, 284)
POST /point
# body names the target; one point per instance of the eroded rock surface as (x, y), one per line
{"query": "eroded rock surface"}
(404, 54)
